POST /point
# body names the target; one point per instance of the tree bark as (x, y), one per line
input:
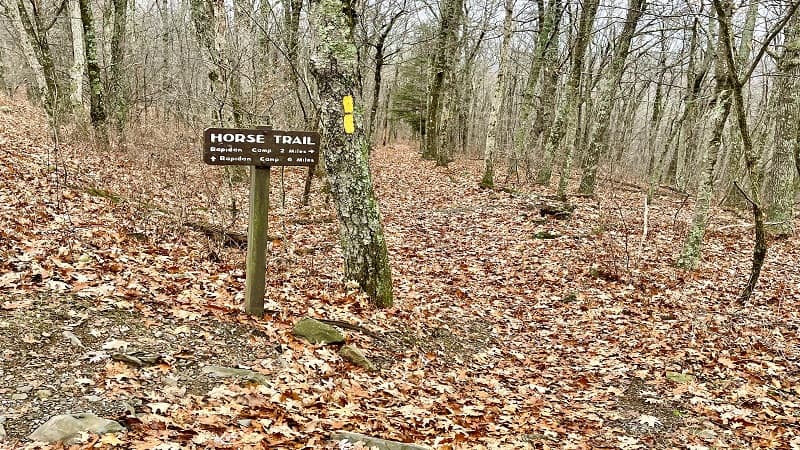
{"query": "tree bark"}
(118, 94)
(210, 26)
(786, 99)
(37, 55)
(497, 98)
(546, 107)
(721, 104)
(166, 46)
(97, 103)
(545, 40)
(608, 91)
(567, 121)
(442, 66)
(78, 60)
(334, 67)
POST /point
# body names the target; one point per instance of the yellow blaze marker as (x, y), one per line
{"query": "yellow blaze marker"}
(349, 124)
(347, 104)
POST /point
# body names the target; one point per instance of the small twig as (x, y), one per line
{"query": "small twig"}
(737, 225)
(744, 194)
(644, 231)
(678, 211)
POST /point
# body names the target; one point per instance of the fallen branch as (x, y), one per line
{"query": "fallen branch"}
(673, 189)
(228, 238)
(552, 207)
(351, 326)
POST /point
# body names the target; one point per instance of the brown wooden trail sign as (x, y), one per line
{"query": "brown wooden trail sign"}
(257, 147)
(261, 148)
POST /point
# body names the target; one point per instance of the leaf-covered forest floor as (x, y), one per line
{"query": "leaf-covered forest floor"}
(497, 339)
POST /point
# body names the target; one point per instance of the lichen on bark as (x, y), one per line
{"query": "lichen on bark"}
(334, 67)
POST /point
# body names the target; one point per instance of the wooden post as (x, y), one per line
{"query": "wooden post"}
(256, 241)
(307, 187)
(237, 146)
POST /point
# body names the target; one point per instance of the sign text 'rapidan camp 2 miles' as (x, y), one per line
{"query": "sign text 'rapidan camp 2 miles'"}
(249, 147)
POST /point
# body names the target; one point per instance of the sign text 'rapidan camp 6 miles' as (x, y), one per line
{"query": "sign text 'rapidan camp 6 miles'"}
(248, 147)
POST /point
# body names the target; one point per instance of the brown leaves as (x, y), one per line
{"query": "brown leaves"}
(497, 339)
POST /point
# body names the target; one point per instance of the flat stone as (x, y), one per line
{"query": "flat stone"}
(19, 396)
(73, 339)
(680, 378)
(356, 357)
(68, 428)
(371, 442)
(44, 394)
(227, 372)
(317, 332)
(707, 434)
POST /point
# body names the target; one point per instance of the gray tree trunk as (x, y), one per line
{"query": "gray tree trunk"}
(497, 98)
(334, 66)
(546, 106)
(37, 54)
(546, 39)
(210, 26)
(786, 98)
(78, 61)
(608, 91)
(118, 94)
(443, 61)
(721, 107)
(97, 103)
(567, 121)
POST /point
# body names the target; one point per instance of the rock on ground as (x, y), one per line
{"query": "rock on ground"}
(356, 357)
(67, 428)
(317, 332)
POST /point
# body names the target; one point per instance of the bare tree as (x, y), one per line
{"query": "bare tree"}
(738, 76)
(97, 101)
(443, 63)
(566, 123)
(786, 153)
(335, 69)
(599, 141)
(500, 87)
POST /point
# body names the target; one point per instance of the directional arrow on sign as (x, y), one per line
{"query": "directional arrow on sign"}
(260, 147)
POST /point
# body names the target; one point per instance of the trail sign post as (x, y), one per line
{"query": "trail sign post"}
(260, 148)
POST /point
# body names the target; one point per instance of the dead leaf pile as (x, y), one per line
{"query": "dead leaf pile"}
(590, 339)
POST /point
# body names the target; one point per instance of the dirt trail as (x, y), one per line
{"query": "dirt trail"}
(498, 339)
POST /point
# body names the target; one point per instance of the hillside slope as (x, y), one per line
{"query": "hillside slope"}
(498, 338)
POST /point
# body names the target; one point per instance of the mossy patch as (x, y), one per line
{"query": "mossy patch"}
(104, 193)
